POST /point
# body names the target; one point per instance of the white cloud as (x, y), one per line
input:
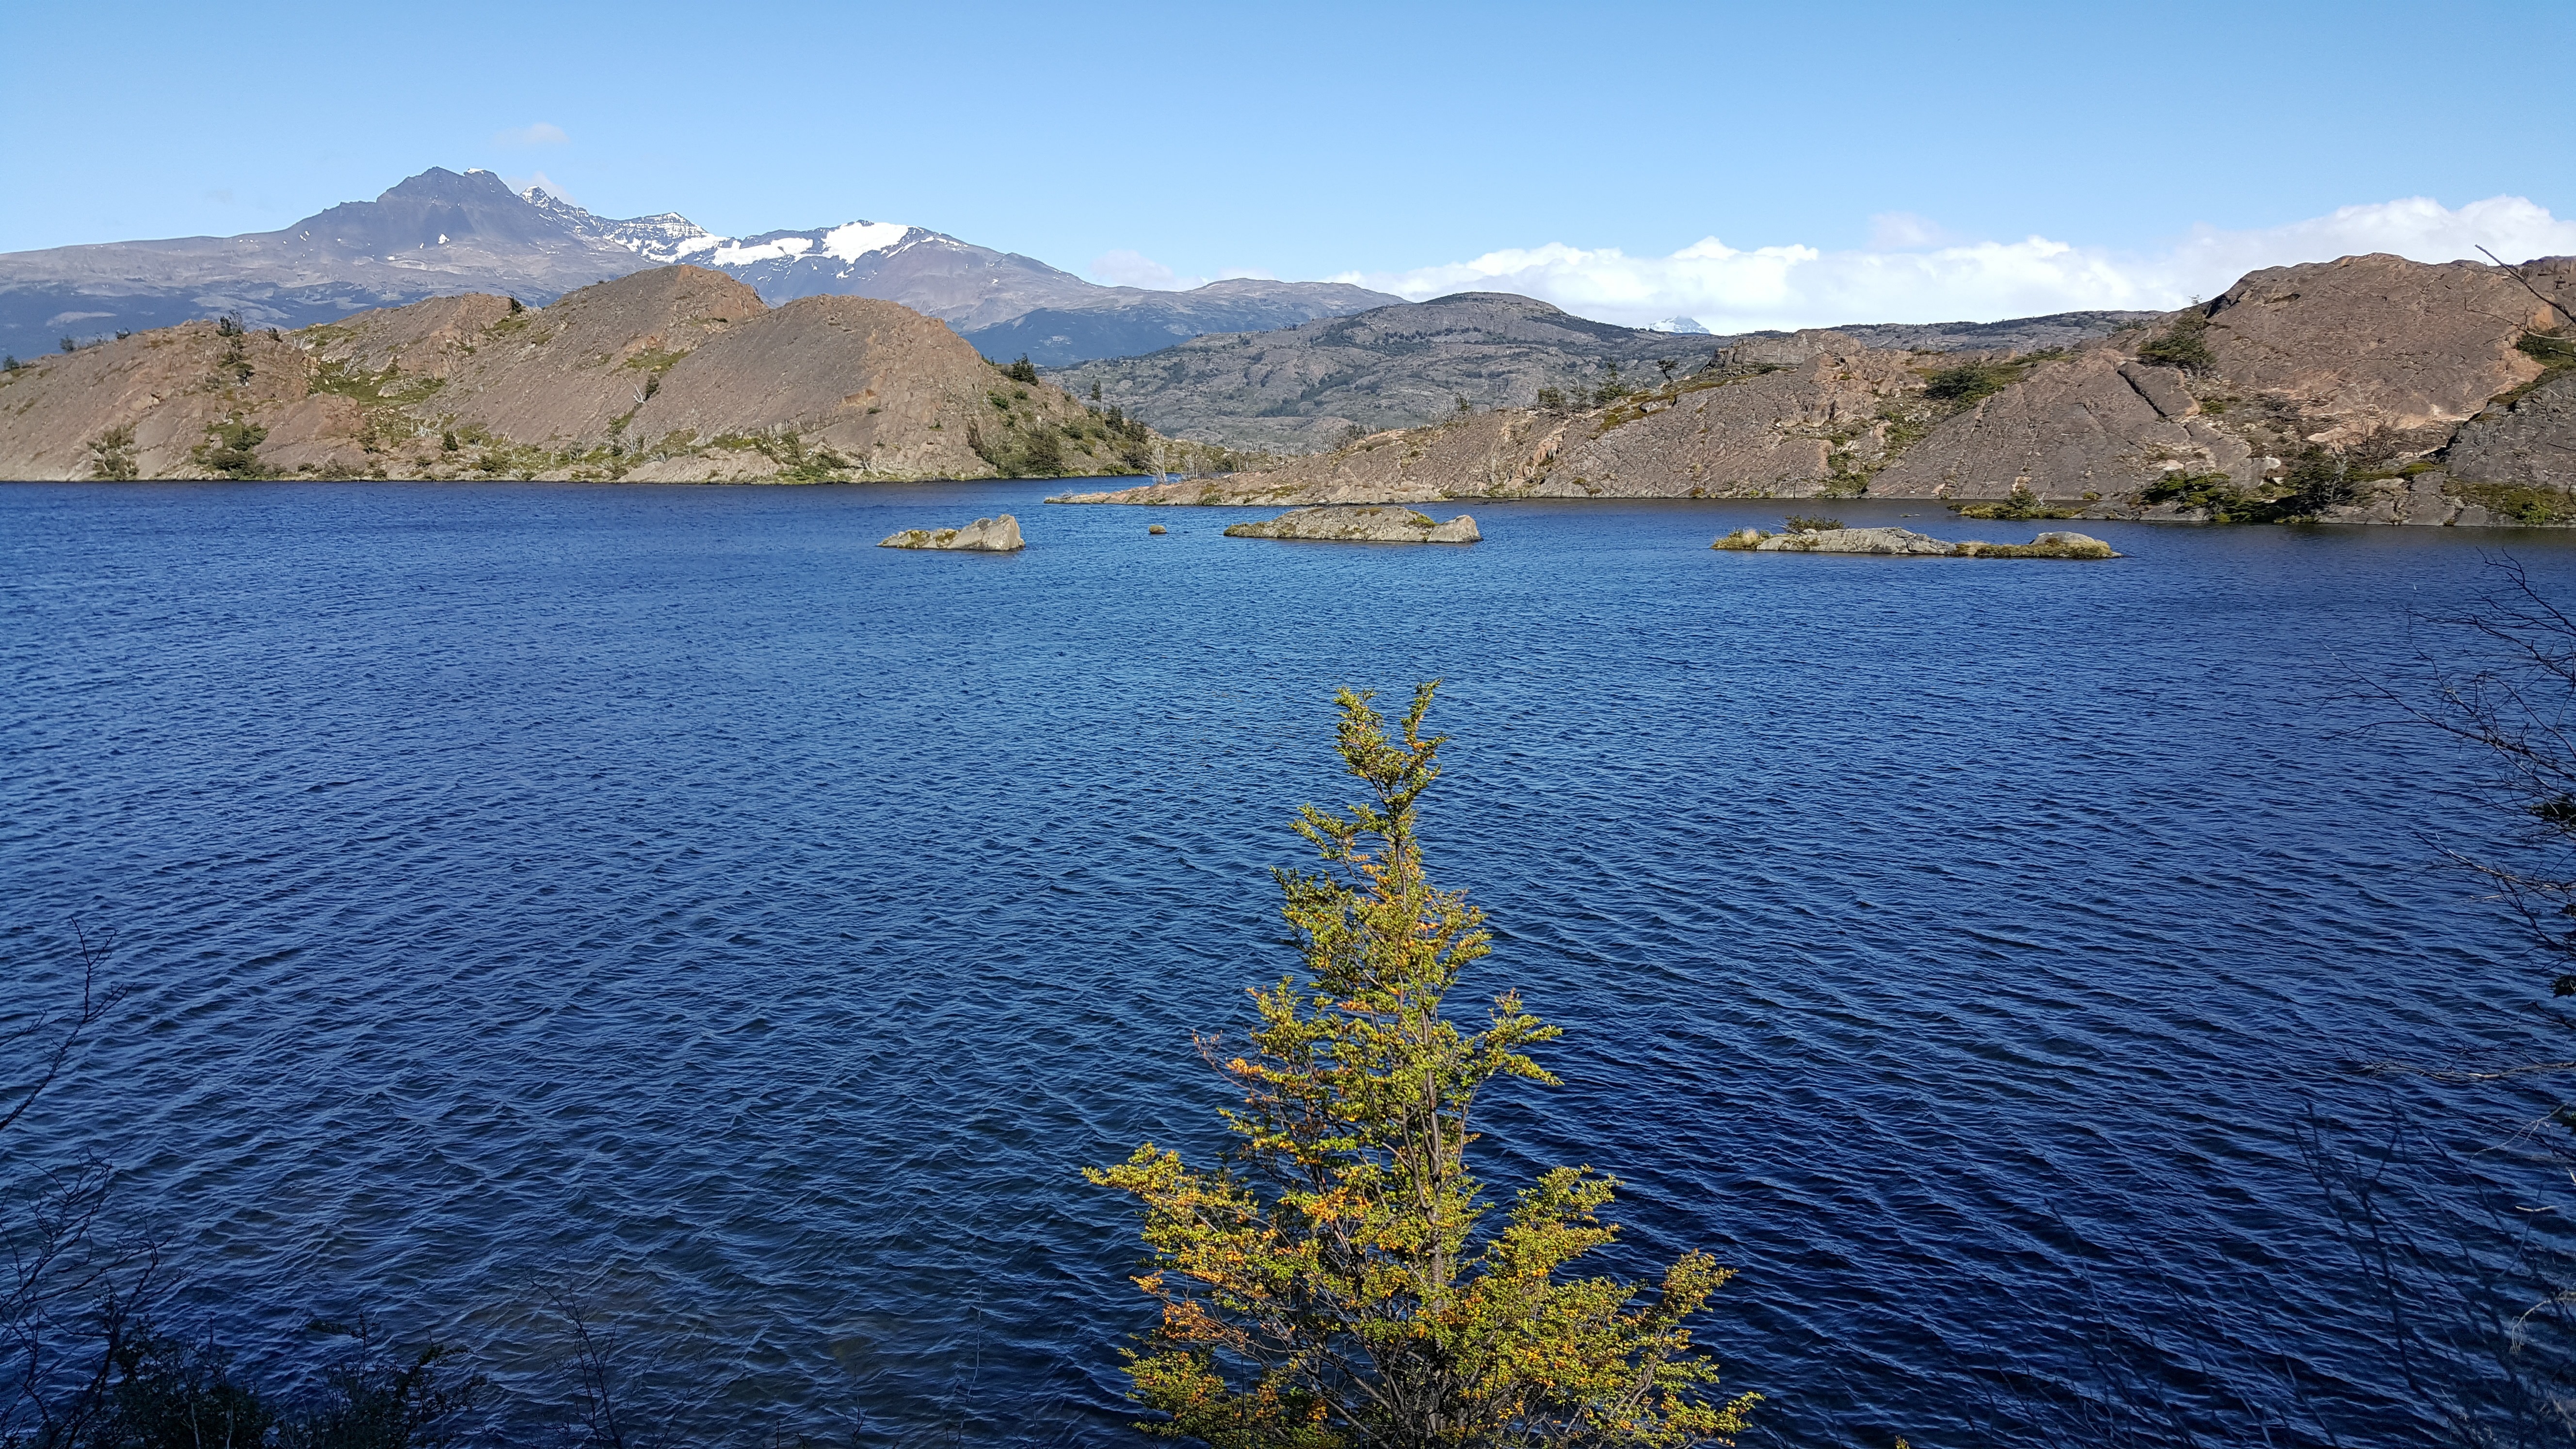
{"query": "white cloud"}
(1902, 277)
(1135, 269)
(543, 133)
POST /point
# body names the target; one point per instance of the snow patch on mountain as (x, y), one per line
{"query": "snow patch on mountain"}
(851, 242)
(663, 238)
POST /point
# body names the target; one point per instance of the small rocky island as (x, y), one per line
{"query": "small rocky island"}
(984, 535)
(1905, 542)
(1365, 524)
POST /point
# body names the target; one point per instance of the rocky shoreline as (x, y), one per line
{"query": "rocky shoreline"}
(2366, 390)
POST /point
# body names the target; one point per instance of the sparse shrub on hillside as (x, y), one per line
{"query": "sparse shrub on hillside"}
(1340, 1280)
(1611, 389)
(228, 325)
(69, 345)
(1970, 383)
(1023, 370)
(1551, 400)
(10, 363)
(515, 307)
(2182, 345)
(111, 455)
(230, 449)
(2318, 480)
(2213, 493)
(1036, 451)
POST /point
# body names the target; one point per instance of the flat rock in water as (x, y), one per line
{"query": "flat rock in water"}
(1364, 524)
(984, 535)
(1905, 542)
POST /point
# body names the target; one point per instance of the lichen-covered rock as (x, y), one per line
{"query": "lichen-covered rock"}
(1359, 525)
(1906, 543)
(984, 535)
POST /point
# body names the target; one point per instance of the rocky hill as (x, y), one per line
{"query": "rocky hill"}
(1310, 388)
(2370, 388)
(442, 233)
(672, 374)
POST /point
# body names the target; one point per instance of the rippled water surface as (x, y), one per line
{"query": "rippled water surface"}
(668, 893)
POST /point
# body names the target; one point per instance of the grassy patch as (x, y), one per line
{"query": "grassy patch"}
(2538, 507)
(2184, 345)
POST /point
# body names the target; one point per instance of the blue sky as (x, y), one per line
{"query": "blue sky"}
(1395, 144)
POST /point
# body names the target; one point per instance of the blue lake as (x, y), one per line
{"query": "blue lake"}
(667, 894)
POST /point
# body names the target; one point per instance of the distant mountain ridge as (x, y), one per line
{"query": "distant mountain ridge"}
(1310, 386)
(446, 233)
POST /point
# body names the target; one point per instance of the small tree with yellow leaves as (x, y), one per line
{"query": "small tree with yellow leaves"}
(1334, 1283)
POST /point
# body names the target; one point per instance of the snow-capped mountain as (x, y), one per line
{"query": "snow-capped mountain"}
(662, 240)
(444, 232)
(1686, 326)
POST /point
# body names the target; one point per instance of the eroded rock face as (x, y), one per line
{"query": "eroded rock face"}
(1783, 434)
(2530, 443)
(2092, 423)
(984, 535)
(2381, 345)
(1359, 525)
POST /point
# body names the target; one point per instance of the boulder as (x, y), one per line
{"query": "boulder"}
(1906, 543)
(984, 535)
(1359, 525)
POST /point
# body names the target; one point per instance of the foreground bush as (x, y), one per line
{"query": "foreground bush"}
(1334, 1284)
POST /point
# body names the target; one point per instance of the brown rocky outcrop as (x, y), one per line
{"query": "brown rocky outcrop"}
(2374, 345)
(2089, 425)
(2366, 367)
(1755, 430)
(1787, 433)
(675, 374)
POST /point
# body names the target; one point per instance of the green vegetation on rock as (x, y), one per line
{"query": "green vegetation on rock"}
(1337, 1283)
(2182, 345)
(111, 455)
(230, 449)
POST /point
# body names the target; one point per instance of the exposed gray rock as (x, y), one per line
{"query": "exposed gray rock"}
(2162, 388)
(984, 535)
(1359, 525)
(1906, 543)
(2531, 443)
